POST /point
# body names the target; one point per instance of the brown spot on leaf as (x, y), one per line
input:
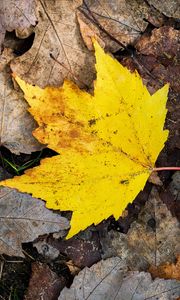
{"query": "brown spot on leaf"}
(92, 122)
(74, 133)
(124, 182)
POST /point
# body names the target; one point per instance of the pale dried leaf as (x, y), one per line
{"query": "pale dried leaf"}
(109, 279)
(72, 267)
(23, 219)
(88, 34)
(170, 8)
(153, 239)
(46, 250)
(57, 34)
(123, 20)
(16, 124)
(16, 14)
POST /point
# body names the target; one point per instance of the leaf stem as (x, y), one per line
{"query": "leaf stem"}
(166, 169)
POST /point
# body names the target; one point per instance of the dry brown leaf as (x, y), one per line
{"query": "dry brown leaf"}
(16, 14)
(88, 34)
(109, 279)
(83, 250)
(170, 8)
(57, 34)
(23, 219)
(123, 20)
(16, 124)
(163, 41)
(72, 267)
(44, 283)
(167, 270)
(153, 239)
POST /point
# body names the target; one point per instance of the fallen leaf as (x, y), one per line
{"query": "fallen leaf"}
(115, 22)
(109, 279)
(172, 202)
(44, 283)
(56, 34)
(108, 142)
(151, 240)
(167, 270)
(169, 8)
(174, 186)
(23, 219)
(16, 124)
(155, 179)
(109, 273)
(88, 34)
(163, 41)
(45, 249)
(158, 63)
(84, 251)
(16, 14)
(73, 268)
(163, 46)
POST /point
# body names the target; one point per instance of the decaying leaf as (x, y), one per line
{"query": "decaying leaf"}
(174, 186)
(155, 179)
(84, 250)
(56, 34)
(45, 249)
(152, 240)
(16, 14)
(23, 219)
(108, 142)
(169, 8)
(161, 57)
(109, 279)
(163, 42)
(73, 268)
(16, 124)
(44, 283)
(117, 22)
(167, 270)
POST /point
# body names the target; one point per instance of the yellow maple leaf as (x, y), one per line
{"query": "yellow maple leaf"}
(108, 143)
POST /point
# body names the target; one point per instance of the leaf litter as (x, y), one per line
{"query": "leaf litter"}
(56, 36)
(110, 279)
(16, 124)
(44, 283)
(23, 219)
(16, 15)
(173, 109)
(153, 239)
(117, 23)
(167, 270)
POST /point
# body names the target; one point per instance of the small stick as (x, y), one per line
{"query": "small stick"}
(1, 269)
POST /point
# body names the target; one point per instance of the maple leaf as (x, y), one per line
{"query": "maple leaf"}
(108, 142)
